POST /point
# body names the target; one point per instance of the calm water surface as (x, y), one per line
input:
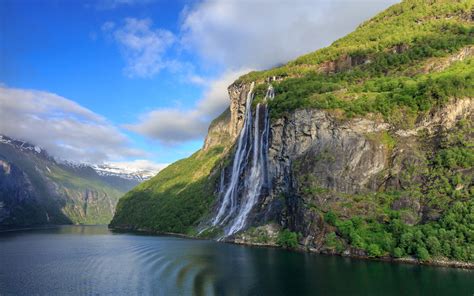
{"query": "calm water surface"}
(91, 260)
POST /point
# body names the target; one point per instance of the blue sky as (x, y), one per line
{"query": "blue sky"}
(145, 77)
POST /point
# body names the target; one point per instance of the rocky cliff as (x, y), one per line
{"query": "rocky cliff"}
(37, 190)
(369, 149)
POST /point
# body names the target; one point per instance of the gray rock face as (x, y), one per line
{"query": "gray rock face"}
(238, 96)
(313, 150)
(340, 156)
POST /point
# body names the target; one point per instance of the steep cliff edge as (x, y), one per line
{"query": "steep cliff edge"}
(370, 148)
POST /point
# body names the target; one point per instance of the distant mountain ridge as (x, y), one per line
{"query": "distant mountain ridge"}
(126, 173)
(363, 148)
(108, 170)
(36, 189)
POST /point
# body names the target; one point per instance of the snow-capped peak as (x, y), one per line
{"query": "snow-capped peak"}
(20, 144)
(137, 170)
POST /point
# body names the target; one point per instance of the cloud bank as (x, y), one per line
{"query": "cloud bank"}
(64, 128)
(262, 34)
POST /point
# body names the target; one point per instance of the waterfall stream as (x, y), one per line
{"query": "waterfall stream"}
(249, 168)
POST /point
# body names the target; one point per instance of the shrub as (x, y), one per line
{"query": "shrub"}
(330, 218)
(398, 252)
(287, 239)
(422, 254)
(333, 242)
(374, 250)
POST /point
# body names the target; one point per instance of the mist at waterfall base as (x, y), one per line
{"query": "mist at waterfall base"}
(91, 260)
(249, 175)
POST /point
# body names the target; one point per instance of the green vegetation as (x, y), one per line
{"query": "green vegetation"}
(450, 237)
(427, 28)
(394, 65)
(97, 209)
(175, 199)
(406, 62)
(446, 188)
(257, 235)
(287, 239)
(383, 137)
(357, 95)
(52, 193)
(334, 242)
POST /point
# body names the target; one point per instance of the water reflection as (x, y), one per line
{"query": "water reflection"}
(92, 260)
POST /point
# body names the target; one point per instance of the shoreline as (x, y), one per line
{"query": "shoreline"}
(4, 230)
(404, 260)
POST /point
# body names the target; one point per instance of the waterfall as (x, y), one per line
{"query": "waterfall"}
(249, 168)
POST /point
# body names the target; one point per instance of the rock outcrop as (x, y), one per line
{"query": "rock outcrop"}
(315, 150)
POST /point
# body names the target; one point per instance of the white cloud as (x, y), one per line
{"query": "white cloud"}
(173, 125)
(264, 33)
(142, 46)
(244, 34)
(64, 128)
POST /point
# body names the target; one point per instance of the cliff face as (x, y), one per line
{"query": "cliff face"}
(318, 161)
(37, 190)
(369, 148)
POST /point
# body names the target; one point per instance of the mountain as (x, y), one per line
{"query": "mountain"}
(128, 173)
(363, 148)
(35, 189)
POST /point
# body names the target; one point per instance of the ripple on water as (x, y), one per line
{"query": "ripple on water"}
(93, 261)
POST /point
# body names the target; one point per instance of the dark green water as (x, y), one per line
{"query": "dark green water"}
(90, 260)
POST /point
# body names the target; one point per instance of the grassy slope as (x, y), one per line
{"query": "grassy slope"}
(98, 210)
(69, 206)
(403, 74)
(390, 75)
(175, 199)
(410, 22)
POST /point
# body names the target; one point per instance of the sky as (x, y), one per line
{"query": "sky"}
(138, 81)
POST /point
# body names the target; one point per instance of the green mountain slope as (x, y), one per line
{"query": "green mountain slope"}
(397, 95)
(178, 197)
(37, 190)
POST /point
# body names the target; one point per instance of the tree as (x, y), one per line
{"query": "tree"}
(374, 250)
(287, 239)
(422, 254)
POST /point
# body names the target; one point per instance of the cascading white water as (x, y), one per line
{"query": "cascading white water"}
(238, 201)
(257, 175)
(228, 205)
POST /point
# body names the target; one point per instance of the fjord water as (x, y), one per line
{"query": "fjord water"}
(90, 260)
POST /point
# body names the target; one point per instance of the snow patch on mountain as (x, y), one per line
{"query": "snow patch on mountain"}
(140, 170)
(20, 144)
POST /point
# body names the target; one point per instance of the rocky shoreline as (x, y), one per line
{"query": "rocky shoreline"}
(407, 260)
